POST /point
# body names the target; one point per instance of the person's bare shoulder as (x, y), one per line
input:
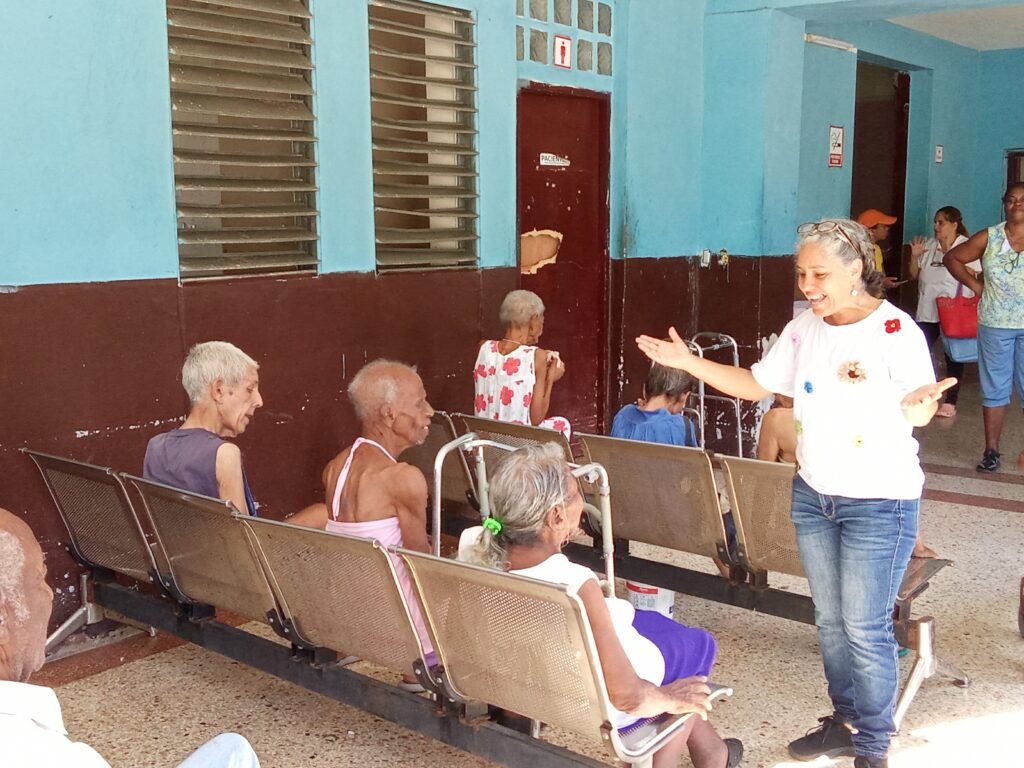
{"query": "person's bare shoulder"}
(229, 460)
(408, 486)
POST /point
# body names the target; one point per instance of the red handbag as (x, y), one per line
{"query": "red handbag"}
(958, 315)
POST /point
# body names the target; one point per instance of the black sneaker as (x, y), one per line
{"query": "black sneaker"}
(989, 461)
(832, 739)
(870, 762)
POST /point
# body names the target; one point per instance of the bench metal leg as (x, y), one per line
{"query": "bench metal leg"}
(921, 636)
(87, 613)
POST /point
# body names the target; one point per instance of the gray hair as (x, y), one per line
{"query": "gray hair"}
(518, 307)
(524, 487)
(849, 242)
(376, 385)
(212, 360)
(12, 562)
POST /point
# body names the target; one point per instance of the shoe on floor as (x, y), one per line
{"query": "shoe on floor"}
(735, 747)
(946, 411)
(411, 687)
(832, 738)
(989, 461)
(870, 762)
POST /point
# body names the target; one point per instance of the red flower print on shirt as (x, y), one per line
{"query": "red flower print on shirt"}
(491, 371)
(892, 326)
(527, 399)
(479, 405)
(480, 372)
(506, 396)
(511, 366)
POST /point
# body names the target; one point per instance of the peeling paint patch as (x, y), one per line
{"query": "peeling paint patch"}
(80, 433)
(537, 249)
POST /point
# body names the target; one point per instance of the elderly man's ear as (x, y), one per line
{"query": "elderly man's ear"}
(387, 414)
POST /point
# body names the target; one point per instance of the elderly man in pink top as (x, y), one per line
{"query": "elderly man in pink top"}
(370, 493)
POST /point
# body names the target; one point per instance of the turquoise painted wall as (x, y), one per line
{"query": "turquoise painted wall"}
(830, 77)
(86, 176)
(662, 90)
(944, 84)
(1000, 126)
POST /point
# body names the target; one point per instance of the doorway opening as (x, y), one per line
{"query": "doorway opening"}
(881, 120)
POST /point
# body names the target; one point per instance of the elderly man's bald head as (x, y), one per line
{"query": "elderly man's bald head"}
(377, 384)
(391, 403)
(25, 600)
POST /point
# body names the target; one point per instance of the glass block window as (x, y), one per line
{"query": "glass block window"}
(587, 22)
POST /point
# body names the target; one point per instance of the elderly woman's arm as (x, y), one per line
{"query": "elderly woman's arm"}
(957, 259)
(548, 371)
(627, 691)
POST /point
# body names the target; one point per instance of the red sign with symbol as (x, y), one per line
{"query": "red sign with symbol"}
(563, 52)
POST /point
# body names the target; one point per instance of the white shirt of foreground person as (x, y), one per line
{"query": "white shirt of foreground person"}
(32, 735)
(847, 382)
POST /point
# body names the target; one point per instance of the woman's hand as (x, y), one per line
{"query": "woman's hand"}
(920, 405)
(691, 694)
(674, 353)
(917, 246)
(556, 368)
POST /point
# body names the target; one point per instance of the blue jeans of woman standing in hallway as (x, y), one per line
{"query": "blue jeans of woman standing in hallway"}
(854, 552)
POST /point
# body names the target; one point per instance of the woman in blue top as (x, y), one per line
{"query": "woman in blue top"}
(658, 416)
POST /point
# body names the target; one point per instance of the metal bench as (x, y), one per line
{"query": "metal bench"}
(325, 583)
(209, 555)
(526, 646)
(761, 493)
(104, 534)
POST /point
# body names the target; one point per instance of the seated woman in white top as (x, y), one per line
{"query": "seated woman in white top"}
(652, 665)
(512, 376)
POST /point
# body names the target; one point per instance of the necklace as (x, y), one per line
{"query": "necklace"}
(513, 341)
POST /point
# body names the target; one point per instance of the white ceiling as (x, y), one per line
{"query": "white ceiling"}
(985, 29)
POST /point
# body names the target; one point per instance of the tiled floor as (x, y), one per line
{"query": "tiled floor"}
(152, 710)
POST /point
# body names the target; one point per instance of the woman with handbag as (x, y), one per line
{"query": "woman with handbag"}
(1000, 314)
(933, 281)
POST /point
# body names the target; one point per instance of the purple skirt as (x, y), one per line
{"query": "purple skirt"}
(687, 651)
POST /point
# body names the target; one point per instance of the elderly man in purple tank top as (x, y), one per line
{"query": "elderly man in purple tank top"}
(223, 386)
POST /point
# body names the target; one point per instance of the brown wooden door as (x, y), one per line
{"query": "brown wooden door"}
(573, 200)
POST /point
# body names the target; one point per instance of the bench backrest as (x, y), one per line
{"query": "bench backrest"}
(515, 435)
(456, 480)
(340, 592)
(101, 521)
(208, 550)
(517, 643)
(761, 494)
(661, 494)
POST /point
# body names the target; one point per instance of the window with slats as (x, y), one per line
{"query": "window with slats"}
(242, 121)
(423, 110)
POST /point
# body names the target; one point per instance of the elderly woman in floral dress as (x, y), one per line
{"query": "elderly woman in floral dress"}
(513, 377)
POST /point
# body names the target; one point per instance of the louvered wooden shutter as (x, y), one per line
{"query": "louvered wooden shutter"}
(242, 120)
(423, 103)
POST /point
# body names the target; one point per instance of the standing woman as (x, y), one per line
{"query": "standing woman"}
(861, 379)
(1000, 315)
(934, 281)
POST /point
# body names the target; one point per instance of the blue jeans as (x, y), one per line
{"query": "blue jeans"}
(854, 553)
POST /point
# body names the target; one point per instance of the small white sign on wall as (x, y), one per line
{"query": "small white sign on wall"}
(939, 152)
(562, 55)
(836, 134)
(551, 159)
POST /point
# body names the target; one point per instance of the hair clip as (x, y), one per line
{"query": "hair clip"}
(493, 525)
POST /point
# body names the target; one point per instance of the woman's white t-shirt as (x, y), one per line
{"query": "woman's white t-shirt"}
(847, 382)
(934, 280)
